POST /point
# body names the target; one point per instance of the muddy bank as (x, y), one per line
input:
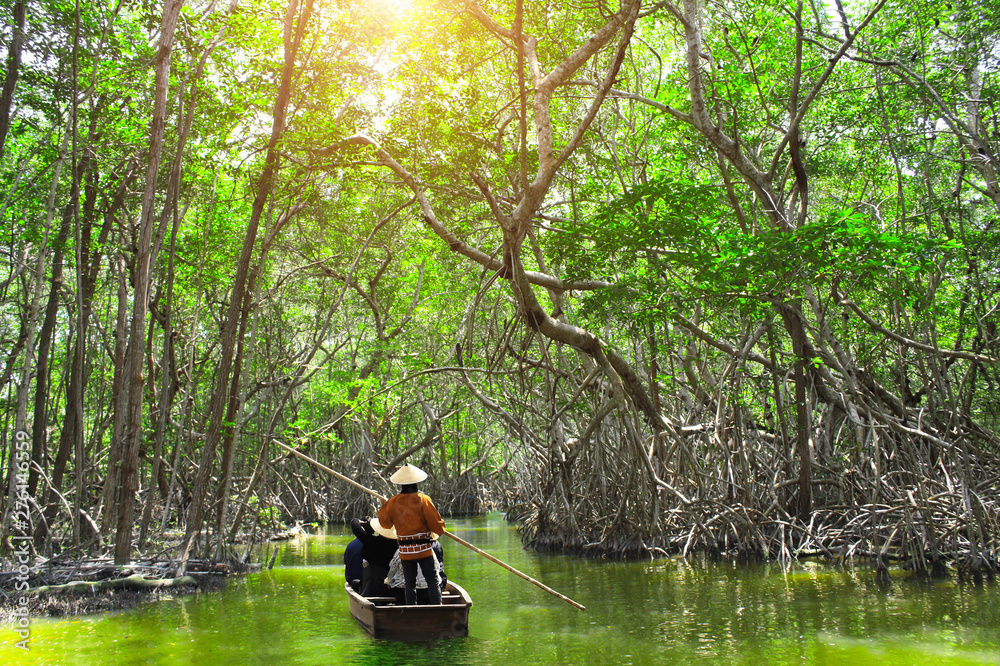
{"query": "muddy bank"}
(79, 587)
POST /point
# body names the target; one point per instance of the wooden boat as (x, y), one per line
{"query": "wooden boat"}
(383, 618)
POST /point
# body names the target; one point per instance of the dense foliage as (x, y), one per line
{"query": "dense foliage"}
(650, 277)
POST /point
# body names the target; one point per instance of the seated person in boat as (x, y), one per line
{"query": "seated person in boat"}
(397, 583)
(378, 545)
(353, 568)
(416, 521)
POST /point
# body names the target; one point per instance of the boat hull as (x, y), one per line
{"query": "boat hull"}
(382, 618)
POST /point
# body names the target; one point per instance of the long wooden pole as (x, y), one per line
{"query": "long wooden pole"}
(458, 539)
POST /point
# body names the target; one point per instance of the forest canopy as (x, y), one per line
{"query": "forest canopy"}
(651, 277)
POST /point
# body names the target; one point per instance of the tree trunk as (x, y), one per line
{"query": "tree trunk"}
(119, 397)
(294, 34)
(23, 389)
(237, 394)
(170, 210)
(793, 320)
(39, 423)
(72, 432)
(13, 69)
(133, 361)
(167, 374)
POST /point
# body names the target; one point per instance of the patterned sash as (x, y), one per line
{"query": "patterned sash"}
(415, 544)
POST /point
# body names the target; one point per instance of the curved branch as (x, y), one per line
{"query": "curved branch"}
(488, 21)
(538, 319)
(968, 356)
(457, 245)
(602, 90)
(801, 111)
(701, 121)
(724, 347)
(545, 86)
(659, 106)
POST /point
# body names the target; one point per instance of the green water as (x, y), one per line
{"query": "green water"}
(637, 613)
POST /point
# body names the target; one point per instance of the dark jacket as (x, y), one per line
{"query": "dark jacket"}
(374, 547)
(376, 552)
(353, 568)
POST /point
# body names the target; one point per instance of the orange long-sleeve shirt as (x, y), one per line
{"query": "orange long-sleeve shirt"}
(411, 514)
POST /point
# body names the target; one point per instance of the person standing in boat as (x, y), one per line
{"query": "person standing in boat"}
(416, 521)
(397, 582)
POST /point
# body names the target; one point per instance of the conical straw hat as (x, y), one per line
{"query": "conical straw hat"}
(408, 474)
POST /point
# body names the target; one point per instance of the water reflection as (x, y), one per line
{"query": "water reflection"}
(668, 611)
